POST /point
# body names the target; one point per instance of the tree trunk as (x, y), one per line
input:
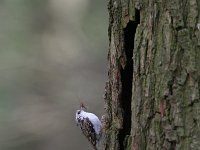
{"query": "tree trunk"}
(152, 98)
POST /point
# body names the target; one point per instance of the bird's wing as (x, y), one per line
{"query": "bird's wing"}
(88, 130)
(95, 121)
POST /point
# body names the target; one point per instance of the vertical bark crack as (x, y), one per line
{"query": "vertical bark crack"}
(126, 79)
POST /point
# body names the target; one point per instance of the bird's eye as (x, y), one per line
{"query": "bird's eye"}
(79, 112)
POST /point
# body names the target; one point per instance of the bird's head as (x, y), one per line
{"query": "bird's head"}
(82, 107)
(80, 111)
(78, 116)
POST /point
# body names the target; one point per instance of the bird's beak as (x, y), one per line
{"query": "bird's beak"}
(82, 106)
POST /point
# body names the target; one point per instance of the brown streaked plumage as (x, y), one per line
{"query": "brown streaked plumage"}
(88, 130)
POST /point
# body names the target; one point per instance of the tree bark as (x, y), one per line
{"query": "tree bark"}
(152, 98)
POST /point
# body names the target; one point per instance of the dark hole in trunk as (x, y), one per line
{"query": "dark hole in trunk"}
(126, 79)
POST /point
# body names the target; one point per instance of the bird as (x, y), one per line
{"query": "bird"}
(90, 125)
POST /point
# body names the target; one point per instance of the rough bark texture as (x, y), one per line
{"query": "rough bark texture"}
(155, 52)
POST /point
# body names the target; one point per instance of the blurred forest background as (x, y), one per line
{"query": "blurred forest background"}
(52, 54)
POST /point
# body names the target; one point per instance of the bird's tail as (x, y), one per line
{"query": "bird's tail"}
(98, 143)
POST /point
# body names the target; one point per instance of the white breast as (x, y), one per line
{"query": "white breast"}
(93, 118)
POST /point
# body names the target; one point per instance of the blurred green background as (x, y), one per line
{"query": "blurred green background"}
(52, 55)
